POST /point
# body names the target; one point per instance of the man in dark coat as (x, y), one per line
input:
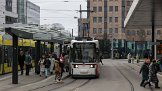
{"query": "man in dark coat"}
(145, 71)
(21, 59)
(153, 70)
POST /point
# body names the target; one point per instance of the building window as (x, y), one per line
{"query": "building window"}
(110, 30)
(105, 8)
(110, 8)
(133, 32)
(9, 5)
(99, 19)
(116, 30)
(128, 3)
(94, 30)
(105, 19)
(116, 8)
(105, 30)
(94, 19)
(123, 31)
(116, 19)
(95, 9)
(128, 32)
(99, 30)
(158, 32)
(110, 19)
(100, 9)
(148, 32)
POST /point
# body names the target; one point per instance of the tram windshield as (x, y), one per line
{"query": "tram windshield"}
(83, 52)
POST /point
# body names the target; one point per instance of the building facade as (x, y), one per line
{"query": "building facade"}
(22, 11)
(106, 23)
(33, 13)
(8, 11)
(106, 20)
(83, 28)
(28, 12)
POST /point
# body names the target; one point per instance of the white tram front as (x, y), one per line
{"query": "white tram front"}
(84, 58)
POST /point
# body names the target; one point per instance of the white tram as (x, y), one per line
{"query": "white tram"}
(84, 58)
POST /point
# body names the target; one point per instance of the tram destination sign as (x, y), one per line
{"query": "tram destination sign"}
(42, 36)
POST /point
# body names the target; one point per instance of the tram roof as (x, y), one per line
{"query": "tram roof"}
(37, 34)
(141, 12)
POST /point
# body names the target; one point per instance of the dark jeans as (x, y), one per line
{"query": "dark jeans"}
(22, 69)
(62, 68)
(27, 69)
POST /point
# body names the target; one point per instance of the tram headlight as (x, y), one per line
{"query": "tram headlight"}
(92, 66)
(76, 66)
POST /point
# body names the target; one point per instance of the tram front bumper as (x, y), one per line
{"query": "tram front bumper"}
(84, 72)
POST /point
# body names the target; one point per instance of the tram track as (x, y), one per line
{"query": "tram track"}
(130, 83)
(83, 84)
(47, 85)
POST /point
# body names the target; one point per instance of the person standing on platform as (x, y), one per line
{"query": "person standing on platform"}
(28, 62)
(41, 64)
(21, 59)
(62, 61)
(52, 60)
(58, 69)
(47, 65)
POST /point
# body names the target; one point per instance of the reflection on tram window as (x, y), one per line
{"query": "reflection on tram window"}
(83, 52)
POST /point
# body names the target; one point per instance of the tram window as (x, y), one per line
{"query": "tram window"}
(84, 52)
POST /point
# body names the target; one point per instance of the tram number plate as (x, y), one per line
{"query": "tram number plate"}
(83, 72)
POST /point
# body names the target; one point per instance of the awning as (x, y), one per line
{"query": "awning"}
(42, 36)
(141, 12)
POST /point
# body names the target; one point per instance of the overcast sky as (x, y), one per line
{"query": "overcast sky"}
(58, 11)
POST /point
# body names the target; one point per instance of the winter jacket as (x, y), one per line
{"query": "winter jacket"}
(153, 69)
(57, 67)
(21, 59)
(145, 71)
(47, 63)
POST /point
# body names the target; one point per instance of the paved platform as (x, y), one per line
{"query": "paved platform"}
(23, 81)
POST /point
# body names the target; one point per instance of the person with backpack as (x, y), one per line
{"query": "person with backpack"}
(28, 62)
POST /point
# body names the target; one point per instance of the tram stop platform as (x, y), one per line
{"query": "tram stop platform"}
(25, 82)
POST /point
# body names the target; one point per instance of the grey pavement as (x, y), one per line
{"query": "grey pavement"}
(6, 81)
